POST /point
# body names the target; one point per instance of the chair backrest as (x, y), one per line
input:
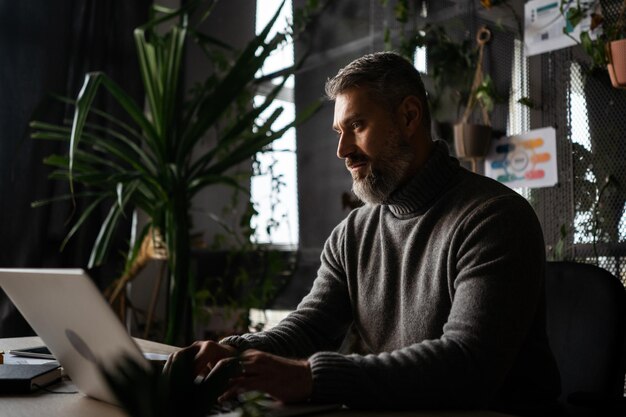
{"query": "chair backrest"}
(586, 326)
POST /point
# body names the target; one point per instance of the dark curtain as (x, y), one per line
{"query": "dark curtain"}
(46, 47)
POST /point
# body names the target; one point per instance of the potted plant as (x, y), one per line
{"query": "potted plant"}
(450, 66)
(472, 140)
(152, 163)
(616, 50)
(605, 41)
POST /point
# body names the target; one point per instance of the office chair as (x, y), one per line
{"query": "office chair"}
(586, 326)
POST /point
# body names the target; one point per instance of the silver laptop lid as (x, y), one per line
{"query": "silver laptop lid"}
(67, 311)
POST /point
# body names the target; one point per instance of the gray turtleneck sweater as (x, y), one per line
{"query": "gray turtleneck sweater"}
(443, 285)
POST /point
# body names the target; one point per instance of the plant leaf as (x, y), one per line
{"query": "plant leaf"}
(83, 217)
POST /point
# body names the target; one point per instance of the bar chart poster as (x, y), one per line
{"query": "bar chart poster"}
(524, 160)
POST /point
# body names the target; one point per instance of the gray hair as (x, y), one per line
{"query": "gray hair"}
(388, 77)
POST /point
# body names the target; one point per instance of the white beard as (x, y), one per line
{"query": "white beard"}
(390, 171)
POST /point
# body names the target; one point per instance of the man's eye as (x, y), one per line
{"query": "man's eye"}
(356, 125)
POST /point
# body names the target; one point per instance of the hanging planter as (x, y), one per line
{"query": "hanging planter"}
(616, 55)
(604, 40)
(471, 141)
(616, 52)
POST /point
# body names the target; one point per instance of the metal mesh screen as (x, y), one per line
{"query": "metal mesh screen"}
(597, 122)
(583, 216)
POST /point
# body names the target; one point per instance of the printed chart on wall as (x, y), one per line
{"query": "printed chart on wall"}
(525, 160)
(545, 26)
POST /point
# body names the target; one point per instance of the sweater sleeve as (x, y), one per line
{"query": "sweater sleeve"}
(321, 319)
(496, 265)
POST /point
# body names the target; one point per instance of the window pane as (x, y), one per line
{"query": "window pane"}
(282, 57)
(274, 187)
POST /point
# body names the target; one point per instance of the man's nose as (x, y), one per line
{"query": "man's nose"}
(345, 146)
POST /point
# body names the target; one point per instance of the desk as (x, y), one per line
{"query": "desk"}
(77, 405)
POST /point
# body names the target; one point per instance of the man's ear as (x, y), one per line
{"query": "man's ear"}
(410, 112)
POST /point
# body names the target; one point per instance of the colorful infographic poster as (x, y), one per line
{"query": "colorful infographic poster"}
(525, 160)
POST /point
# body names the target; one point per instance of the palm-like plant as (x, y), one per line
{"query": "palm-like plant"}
(150, 163)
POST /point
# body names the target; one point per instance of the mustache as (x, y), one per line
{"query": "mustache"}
(355, 159)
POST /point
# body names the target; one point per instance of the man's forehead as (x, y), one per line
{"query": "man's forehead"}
(350, 101)
(354, 103)
(346, 109)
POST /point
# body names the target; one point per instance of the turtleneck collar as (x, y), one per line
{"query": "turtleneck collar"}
(429, 181)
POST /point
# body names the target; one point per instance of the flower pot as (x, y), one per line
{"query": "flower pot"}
(616, 53)
(471, 140)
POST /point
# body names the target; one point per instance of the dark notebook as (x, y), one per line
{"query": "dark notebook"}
(20, 379)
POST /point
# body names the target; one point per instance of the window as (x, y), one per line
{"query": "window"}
(579, 128)
(419, 59)
(274, 185)
(519, 115)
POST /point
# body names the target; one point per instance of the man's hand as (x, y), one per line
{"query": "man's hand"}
(287, 380)
(206, 354)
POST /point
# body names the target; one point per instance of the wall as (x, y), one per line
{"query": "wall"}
(233, 22)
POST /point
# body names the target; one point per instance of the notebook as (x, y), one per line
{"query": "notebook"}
(22, 379)
(69, 313)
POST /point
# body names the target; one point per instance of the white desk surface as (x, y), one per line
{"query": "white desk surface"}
(77, 405)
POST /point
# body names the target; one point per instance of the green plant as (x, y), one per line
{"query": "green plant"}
(558, 252)
(245, 277)
(602, 30)
(152, 164)
(241, 273)
(600, 195)
(482, 92)
(490, 4)
(450, 62)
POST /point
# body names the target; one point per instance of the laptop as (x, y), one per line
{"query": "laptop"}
(73, 319)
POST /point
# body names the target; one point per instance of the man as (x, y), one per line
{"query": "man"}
(440, 274)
